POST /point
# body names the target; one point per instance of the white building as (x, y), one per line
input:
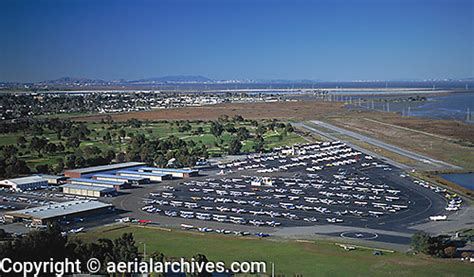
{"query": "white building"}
(25, 183)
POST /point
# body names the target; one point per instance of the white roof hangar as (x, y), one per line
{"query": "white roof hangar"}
(25, 183)
(57, 211)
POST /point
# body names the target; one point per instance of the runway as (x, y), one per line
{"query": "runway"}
(409, 154)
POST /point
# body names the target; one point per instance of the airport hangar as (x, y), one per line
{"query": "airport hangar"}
(101, 169)
(25, 183)
(89, 191)
(58, 211)
(91, 181)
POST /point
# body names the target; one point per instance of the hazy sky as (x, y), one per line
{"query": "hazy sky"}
(226, 39)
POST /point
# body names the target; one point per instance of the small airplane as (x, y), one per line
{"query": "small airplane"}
(204, 229)
(187, 227)
(438, 217)
(75, 231)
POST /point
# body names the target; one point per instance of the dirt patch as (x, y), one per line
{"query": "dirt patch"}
(297, 110)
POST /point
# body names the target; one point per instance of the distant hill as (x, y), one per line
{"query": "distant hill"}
(175, 79)
(74, 81)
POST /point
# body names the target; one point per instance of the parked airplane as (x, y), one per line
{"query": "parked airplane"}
(438, 217)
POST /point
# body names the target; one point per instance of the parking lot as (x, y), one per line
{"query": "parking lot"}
(325, 183)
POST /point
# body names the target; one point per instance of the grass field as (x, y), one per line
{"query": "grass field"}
(319, 258)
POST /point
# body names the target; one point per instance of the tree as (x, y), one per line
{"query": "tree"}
(124, 248)
(37, 144)
(229, 127)
(234, 146)
(243, 133)
(259, 144)
(201, 259)
(60, 166)
(216, 128)
(261, 129)
(450, 251)
(420, 242)
(9, 151)
(199, 130)
(80, 161)
(107, 138)
(71, 161)
(72, 142)
(122, 133)
(3, 234)
(21, 141)
(120, 157)
(42, 168)
(237, 118)
(466, 254)
(289, 128)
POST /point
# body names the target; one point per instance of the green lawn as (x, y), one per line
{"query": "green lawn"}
(320, 258)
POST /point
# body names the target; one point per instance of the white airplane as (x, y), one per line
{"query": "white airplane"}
(438, 217)
(237, 220)
(257, 212)
(205, 229)
(219, 218)
(187, 227)
(310, 219)
(256, 222)
(334, 220)
(184, 214)
(239, 211)
(124, 219)
(273, 223)
(240, 202)
(171, 213)
(202, 216)
(222, 209)
(75, 231)
(176, 203)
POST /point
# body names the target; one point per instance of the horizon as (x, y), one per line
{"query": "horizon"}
(166, 79)
(237, 40)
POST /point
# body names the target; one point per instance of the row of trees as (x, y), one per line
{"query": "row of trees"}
(39, 246)
(439, 246)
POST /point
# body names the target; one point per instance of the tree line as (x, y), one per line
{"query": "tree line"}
(43, 245)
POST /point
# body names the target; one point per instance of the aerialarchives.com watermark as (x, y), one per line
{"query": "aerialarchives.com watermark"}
(94, 265)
